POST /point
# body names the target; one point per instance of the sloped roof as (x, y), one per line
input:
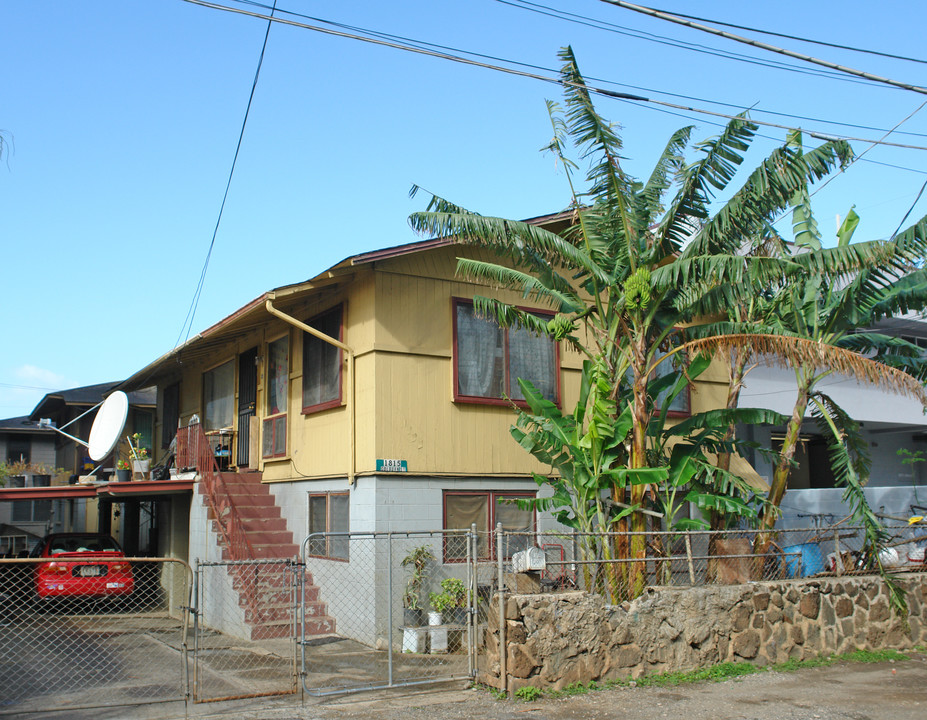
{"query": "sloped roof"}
(22, 424)
(253, 315)
(88, 396)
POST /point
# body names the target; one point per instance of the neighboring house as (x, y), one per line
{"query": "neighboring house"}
(148, 518)
(29, 451)
(894, 427)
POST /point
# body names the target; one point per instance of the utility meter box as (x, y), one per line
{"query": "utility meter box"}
(531, 559)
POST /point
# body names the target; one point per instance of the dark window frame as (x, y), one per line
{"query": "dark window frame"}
(170, 411)
(339, 400)
(274, 420)
(327, 552)
(492, 497)
(507, 402)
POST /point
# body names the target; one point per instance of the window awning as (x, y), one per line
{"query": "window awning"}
(109, 491)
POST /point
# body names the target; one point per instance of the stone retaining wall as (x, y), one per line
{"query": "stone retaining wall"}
(553, 640)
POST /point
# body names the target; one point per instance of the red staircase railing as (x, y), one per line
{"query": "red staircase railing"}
(194, 451)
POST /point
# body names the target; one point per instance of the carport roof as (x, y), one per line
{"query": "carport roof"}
(137, 490)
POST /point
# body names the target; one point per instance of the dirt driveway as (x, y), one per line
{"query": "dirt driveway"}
(845, 691)
(851, 691)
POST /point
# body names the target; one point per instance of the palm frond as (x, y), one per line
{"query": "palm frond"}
(769, 190)
(529, 285)
(797, 351)
(722, 156)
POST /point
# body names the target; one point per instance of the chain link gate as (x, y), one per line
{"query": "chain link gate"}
(63, 649)
(370, 604)
(246, 620)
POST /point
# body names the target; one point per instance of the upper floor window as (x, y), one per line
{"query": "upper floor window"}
(322, 363)
(489, 359)
(219, 396)
(276, 392)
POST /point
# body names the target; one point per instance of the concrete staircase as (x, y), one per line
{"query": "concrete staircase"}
(264, 590)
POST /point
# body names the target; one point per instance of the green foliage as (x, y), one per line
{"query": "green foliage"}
(417, 560)
(639, 280)
(528, 693)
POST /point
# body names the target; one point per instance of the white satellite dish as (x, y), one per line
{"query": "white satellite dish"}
(108, 425)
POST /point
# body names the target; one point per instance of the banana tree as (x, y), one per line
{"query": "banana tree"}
(632, 267)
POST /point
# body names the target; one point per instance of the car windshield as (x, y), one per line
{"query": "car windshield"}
(83, 543)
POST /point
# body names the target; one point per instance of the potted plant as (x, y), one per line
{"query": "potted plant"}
(140, 460)
(416, 561)
(456, 592)
(123, 471)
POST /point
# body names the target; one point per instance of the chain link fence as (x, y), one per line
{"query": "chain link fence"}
(619, 565)
(92, 633)
(397, 610)
(246, 624)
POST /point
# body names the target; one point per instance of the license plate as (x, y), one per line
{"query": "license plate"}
(90, 571)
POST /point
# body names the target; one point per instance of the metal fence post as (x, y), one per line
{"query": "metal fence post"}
(472, 603)
(197, 604)
(503, 651)
(838, 560)
(389, 605)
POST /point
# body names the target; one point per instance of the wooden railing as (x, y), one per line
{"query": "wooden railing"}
(195, 451)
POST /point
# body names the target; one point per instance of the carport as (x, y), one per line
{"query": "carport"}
(151, 518)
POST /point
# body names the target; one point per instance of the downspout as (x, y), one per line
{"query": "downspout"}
(349, 354)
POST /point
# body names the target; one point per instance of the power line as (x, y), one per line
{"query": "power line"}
(801, 39)
(191, 313)
(673, 42)
(422, 43)
(535, 76)
(764, 46)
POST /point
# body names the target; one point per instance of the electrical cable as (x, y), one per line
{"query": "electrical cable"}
(535, 76)
(801, 39)
(422, 43)
(764, 46)
(191, 313)
(673, 42)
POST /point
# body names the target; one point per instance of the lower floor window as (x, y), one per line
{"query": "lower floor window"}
(329, 513)
(274, 444)
(463, 509)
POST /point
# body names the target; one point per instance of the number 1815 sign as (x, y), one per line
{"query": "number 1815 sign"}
(395, 466)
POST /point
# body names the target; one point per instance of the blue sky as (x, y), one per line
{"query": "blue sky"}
(122, 119)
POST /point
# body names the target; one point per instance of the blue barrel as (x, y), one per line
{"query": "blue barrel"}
(803, 559)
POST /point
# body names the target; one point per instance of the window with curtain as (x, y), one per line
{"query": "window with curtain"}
(219, 396)
(488, 359)
(485, 509)
(276, 392)
(329, 513)
(322, 363)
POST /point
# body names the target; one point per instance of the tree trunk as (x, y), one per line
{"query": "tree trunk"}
(782, 471)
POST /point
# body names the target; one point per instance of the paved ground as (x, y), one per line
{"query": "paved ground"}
(846, 691)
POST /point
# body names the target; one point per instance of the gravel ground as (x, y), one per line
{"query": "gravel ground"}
(844, 691)
(851, 691)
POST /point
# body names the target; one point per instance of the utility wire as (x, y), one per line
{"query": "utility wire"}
(858, 157)
(535, 76)
(421, 43)
(673, 42)
(764, 46)
(191, 313)
(801, 39)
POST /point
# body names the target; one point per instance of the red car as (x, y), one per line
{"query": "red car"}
(83, 565)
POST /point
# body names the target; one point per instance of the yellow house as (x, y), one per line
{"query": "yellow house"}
(370, 398)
